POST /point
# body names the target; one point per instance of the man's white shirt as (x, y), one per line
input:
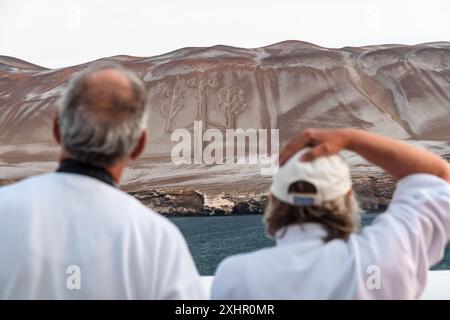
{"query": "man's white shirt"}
(70, 236)
(387, 260)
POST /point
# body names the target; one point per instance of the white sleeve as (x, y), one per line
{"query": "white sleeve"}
(178, 276)
(405, 241)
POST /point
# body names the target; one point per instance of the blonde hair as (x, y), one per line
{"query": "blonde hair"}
(339, 216)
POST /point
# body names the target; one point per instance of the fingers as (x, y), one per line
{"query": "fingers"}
(324, 142)
(299, 142)
(322, 149)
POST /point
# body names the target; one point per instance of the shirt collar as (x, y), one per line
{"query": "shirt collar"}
(73, 166)
(305, 232)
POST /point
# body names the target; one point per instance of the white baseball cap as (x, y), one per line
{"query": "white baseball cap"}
(329, 174)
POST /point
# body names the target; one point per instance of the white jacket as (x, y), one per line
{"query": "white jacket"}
(70, 236)
(386, 260)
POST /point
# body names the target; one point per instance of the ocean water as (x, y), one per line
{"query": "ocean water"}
(211, 239)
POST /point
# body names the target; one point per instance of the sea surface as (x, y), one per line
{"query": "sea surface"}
(213, 238)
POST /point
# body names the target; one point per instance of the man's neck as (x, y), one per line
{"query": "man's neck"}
(115, 170)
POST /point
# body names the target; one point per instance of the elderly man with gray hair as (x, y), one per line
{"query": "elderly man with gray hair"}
(73, 234)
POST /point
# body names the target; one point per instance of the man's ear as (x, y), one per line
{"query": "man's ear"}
(56, 132)
(137, 151)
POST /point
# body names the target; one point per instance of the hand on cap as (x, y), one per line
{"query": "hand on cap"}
(323, 142)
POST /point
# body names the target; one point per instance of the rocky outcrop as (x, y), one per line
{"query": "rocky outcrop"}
(194, 203)
(373, 193)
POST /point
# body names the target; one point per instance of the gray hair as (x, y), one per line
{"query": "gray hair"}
(101, 122)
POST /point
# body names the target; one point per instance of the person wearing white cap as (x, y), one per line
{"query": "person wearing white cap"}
(320, 253)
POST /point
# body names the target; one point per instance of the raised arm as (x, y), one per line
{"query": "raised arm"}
(397, 158)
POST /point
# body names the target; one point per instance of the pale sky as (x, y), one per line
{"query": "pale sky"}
(58, 33)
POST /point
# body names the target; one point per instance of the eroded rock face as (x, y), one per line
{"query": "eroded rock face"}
(192, 203)
(399, 91)
(373, 192)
